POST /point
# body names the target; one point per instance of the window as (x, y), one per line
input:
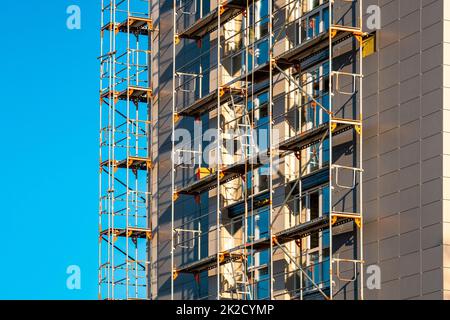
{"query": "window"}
(314, 250)
(262, 283)
(236, 64)
(262, 52)
(312, 4)
(312, 22)
(258, 109)
(258, 31)
(259, 263)
(258, 225)
(314, 95)
(311, 205)
(315, 157)
(314, 205)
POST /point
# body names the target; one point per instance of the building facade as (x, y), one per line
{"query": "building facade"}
(308, 145)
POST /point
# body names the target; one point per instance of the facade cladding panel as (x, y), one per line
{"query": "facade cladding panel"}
(404, 150)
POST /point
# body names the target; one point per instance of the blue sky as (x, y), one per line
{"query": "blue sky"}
(49, 150)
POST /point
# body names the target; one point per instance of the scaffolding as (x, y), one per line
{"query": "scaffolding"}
(281, 219)
(125, 230)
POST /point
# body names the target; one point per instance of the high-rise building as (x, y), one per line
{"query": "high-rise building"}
(286, 149)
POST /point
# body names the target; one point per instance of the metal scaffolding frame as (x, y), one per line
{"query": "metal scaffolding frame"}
(326, 33)
(125, 231)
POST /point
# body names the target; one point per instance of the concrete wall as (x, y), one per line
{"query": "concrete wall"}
(403, 151)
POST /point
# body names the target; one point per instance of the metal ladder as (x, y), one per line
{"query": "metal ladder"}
(241, 283)
(244, 131)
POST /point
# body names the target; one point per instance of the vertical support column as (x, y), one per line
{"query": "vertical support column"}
(100, 175)
(271, 153)
(360, 160)
(128, 137)
(219, 143)
(246, 117)
(172, 248)
(111, 146)
(330, 139)
(149, 130)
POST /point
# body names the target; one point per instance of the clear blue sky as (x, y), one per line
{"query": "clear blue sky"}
(49, 149)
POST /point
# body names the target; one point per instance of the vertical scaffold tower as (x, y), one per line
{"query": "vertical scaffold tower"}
(279, 214)
(125, 158)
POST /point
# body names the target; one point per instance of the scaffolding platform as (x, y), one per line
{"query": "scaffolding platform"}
(134, 25)
(132, 93)
(229, 173)
(295, 233)
(205, 184)
(261, 73)
(133, 163)
(209, 102)
(313, 46)
(130, 232)
(298, 232)
(313, 136)
(227, 10)
(304, 139)
(257, 201)
(209, 263)
(303, 230)
(296, 55)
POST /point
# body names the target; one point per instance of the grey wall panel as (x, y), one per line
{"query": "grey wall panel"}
(403, 150)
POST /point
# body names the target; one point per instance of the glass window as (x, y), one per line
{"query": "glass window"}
(303, 30)
(313, 24)
(325, 268)
(258, 225)
(262, 284)
(325, 153)
(314, 205)
(259, 262)
(326, 19)
(236, 64)
(314, 97)
(262, 52)
(312, 4)
(316, 251)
